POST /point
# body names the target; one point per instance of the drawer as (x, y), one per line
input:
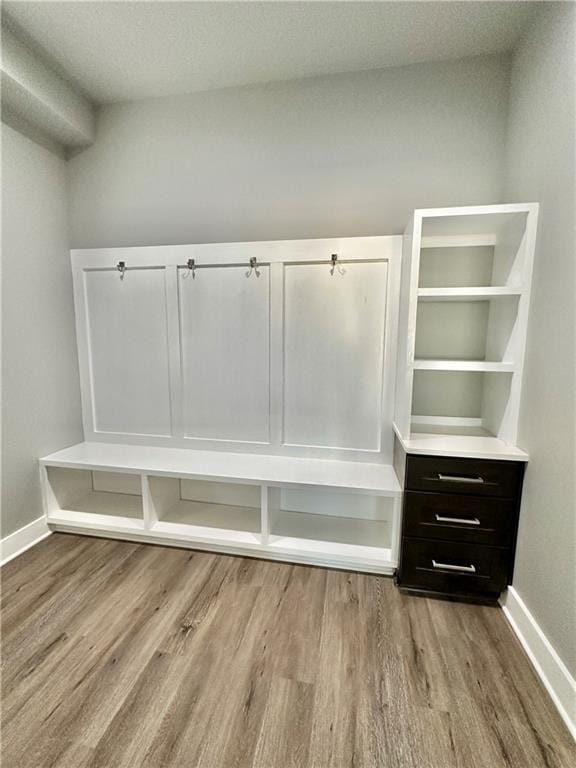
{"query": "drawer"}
(453, 568)
(455, 517)
(464, 476)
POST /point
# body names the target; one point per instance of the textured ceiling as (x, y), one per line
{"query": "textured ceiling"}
(118, 51)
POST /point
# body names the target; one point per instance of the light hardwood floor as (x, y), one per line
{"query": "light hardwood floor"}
(118, 654)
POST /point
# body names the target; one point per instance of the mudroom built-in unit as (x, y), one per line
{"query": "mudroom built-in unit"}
(237, 397)
(251, 397)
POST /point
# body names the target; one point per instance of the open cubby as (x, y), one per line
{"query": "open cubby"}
(83, 495)
(460, 402)
(330, 520)
(206, 509)
(466, 330)
(472, 251)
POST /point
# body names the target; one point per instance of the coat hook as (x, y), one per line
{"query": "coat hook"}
(253, 267)
(121, 267)
(335, 265)
(191, 264)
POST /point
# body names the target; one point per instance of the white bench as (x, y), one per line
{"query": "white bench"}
(323, 512)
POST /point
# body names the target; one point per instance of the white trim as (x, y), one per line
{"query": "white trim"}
(24, 538)
(479, 210)
(472, 293)
(546, 662)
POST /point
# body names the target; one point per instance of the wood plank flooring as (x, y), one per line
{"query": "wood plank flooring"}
(122, 655)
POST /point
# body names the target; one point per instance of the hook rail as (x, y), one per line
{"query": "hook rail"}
(192, 266)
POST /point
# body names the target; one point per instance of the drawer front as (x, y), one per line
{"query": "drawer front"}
(464, 476)
(454, 517)
(453, 567)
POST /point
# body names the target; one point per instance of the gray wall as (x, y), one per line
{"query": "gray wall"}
(540, 166)
(348, 154)
(40, 392)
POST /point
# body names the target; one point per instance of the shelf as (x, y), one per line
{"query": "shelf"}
(473, 443)
(229, 467)
(472, 366)
(467, 294)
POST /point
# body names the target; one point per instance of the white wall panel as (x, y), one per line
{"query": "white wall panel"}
(224, 329)
(290, 361)
(333, 354)
(128, 334)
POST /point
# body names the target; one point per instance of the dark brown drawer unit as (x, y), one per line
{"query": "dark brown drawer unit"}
(460, 519)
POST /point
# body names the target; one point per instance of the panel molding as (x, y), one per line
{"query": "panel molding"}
(273, 256)
(348, 378)
(224, 322)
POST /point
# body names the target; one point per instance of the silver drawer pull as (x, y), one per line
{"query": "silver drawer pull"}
(462, 520)
(459, 479)
(448, 567)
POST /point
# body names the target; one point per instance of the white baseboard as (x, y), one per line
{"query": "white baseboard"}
(548, 665)
(13, 545)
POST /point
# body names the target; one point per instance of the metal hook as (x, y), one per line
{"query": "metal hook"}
(191, 264)
(335, 265)
(121, 267)
(253, 267)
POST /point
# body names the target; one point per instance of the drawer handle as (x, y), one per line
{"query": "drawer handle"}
(448, 567)
(461, 520)
(459, 479)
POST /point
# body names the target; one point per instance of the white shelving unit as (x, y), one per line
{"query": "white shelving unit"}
(465, 292)
(324, 512)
